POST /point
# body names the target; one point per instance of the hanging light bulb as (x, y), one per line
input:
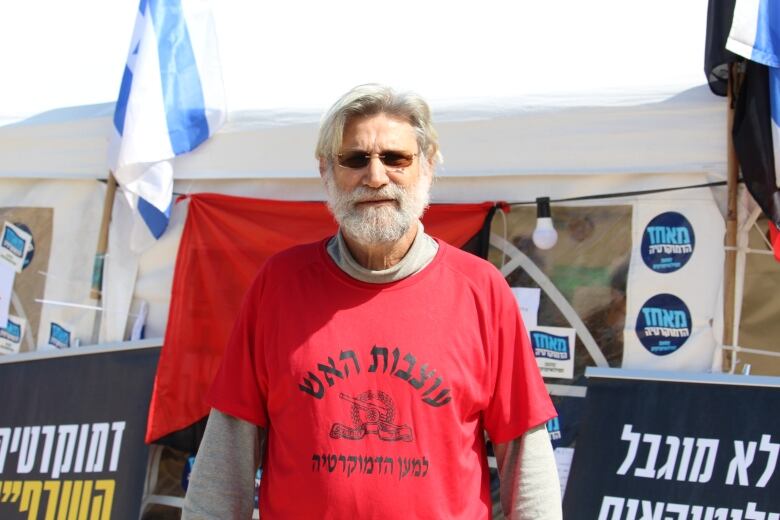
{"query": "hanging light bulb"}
(544, 235)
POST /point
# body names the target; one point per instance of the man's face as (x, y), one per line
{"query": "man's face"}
(378, 203)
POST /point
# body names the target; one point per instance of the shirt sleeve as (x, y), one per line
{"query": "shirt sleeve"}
(529, 478)
(240, 386)
(222, 483)
(519, 399)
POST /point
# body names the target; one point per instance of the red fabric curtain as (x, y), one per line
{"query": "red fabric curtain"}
(225, 241)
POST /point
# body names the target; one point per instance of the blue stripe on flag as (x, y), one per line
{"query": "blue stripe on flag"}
(766, 47)
(182, 92)
(155, 219)
(127, 82)
(121, 102)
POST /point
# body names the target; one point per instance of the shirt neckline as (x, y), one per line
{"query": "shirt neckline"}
(412, 279)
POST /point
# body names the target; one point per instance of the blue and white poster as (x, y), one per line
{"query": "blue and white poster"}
(674, 304)
(554, 351)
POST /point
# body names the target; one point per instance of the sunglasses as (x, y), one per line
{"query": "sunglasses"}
(358, 160)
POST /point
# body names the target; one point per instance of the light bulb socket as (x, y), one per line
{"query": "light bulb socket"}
(543, 207)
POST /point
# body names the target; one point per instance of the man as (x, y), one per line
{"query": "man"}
(372, 362)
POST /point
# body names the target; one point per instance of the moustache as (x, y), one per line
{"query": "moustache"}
(364, 194)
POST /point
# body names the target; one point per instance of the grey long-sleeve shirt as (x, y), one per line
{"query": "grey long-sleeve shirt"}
(222, 482)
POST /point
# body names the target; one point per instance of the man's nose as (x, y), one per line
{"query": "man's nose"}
(376, 173)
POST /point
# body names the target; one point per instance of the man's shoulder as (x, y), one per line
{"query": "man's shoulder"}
(469, 265)
(292, 260)
(301, 253)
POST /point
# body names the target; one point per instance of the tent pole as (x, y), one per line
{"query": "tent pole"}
(96, 293)
(732, 176)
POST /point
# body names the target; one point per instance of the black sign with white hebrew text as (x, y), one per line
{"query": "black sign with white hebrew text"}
(72, 435)
(677, 451)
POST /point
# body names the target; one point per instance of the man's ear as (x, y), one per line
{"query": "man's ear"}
(323, 166)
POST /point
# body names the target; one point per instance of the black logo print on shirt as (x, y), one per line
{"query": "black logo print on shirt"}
(372, 414)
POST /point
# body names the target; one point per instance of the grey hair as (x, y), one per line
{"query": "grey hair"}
(373, 99)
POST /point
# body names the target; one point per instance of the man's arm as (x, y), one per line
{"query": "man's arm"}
(528, 476)
(222, 483)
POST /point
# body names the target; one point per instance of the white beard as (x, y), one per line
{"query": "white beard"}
(378, 224)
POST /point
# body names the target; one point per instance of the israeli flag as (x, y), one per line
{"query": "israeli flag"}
(170, 101)
(755, 35)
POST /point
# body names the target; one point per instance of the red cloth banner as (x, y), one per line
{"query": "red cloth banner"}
(225, 241)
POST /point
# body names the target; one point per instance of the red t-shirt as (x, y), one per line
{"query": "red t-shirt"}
(375, 396)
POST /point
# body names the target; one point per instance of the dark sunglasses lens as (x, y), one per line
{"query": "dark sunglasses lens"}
(354, 160)
(397, 159)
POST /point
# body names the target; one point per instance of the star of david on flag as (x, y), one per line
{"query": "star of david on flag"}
(170, 101)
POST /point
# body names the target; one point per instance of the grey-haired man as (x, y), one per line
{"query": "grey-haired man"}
(364, 370)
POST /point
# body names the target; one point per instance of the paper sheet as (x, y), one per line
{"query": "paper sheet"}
(563, 458)
(528, 300)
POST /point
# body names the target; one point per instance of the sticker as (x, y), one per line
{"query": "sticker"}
(554, 429)
(554, 351)
(189, 464)
(11, 335)
(663, 324)
(59, 336)
(258, 479)
(668, 242)
(15, 244)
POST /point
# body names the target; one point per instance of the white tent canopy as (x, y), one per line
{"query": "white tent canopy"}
(684, 134)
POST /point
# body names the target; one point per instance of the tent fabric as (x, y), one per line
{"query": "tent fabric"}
(682, 133)
(156, 266)
(225, 241)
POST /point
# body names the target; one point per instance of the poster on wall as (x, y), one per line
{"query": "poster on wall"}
(674, 281)
(677, 450)
(553, 350)
(71, 437)
(27, 233)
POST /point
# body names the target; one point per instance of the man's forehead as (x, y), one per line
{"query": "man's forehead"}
(379, 129)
